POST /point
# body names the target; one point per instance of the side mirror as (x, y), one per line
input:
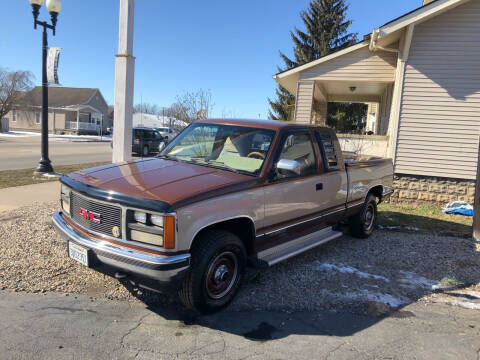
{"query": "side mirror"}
(161, 146)
(289, 167)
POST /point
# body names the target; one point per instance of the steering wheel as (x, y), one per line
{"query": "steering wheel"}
(256, 155)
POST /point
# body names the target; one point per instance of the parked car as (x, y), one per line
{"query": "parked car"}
(145, 141)
(167, 133)
(220, 196)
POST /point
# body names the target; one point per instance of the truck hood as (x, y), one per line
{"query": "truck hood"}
(164, 180)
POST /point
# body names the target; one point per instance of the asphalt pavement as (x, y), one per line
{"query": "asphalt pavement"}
(55, 326)
(24, 152)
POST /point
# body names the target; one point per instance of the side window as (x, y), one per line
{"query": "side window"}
(327, 146)
(298, 147)
(149, 135)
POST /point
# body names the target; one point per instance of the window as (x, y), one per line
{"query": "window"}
(234, 148)
(327, 146)
(37, 118)
(298, 147)
(14, 115)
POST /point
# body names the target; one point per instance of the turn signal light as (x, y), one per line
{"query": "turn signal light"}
(169, 232)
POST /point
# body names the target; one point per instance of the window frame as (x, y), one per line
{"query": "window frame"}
(14, 116)
(278, 153)
(39, 118)
(323, 153)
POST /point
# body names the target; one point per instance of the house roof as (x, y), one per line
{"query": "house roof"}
(420, 14)
(59, 97)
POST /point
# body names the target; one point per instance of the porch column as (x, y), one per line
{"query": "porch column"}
(124, 82)
(304, 102)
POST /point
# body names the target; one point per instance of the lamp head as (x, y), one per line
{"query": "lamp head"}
(36, 5)
(53, 6)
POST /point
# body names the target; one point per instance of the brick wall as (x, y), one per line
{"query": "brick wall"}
(433, 190)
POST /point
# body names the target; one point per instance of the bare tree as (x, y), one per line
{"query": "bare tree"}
(147, 108)
(12, 84)
(192, 105)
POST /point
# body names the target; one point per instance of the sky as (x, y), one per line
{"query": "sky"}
(230, 48)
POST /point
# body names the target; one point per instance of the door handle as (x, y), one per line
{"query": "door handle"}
(319, 187)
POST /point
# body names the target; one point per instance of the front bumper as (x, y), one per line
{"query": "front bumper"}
(163, 269)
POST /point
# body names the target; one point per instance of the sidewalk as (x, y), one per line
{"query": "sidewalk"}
(17, 197)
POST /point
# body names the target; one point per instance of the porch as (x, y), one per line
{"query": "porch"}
(85, 119)
(354, 75)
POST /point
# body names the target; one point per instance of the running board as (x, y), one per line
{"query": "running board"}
(292, 248)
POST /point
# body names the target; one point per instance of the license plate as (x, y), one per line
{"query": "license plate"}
(78, 253)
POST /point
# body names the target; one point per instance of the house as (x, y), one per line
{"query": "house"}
(70, 110)
(421, 72)
(157, 121)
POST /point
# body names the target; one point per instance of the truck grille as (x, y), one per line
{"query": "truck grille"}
(110, 215)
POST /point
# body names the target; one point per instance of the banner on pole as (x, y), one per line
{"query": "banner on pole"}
(52, 65)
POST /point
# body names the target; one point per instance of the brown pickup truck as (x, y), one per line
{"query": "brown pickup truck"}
(222, 195)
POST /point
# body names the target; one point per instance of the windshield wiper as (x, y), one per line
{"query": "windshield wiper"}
(222, 165)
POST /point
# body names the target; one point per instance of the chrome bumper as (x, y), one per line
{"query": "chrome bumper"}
(387, 191)
(156, 267)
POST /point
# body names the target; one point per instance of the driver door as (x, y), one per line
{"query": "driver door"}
(295, 203)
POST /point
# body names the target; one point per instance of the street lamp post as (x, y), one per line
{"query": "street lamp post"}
(54, 7)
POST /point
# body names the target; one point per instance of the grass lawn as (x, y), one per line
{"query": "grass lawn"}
(10, 178)
(425, 218)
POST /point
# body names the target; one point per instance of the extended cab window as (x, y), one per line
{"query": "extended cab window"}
(327, 147)
(298, 147)
(235, 148)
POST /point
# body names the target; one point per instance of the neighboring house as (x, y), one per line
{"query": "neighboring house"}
(70, 110)
(422, 72)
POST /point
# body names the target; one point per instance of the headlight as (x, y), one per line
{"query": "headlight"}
(65, 197)
(157, 220)
(140, 217)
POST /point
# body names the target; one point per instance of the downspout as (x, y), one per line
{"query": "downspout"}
(374, 43)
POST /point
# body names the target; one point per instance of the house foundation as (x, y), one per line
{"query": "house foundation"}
(412, 189)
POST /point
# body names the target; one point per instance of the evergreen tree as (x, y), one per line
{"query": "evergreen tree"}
(326, 32)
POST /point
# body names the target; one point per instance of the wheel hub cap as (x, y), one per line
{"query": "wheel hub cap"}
(221, 274)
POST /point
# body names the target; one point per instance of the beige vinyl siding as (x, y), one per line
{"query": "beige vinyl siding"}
(359, 65)
(440, 114)
(304, 102)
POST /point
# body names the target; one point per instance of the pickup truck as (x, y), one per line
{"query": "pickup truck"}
(223, 195)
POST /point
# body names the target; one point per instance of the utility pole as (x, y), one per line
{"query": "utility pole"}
(124, 84)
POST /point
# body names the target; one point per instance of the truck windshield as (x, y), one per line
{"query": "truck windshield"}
(235, 148)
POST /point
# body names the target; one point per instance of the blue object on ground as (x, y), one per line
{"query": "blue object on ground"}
(459, 208)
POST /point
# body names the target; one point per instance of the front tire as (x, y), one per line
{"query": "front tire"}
(218, 265)
(363, 223)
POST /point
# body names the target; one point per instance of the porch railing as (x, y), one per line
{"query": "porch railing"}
(82, 126)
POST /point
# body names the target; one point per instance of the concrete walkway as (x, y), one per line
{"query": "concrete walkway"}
(54, 326)
(17, 197)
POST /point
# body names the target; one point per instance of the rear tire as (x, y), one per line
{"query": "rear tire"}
(218, 265)
(363, 223)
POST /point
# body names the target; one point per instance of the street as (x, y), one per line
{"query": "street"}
(24, 152)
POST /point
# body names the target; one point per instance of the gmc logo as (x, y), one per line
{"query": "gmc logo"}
(89, 215)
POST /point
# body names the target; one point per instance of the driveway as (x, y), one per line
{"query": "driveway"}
(382, 297)
(54, 326)
(24, 152)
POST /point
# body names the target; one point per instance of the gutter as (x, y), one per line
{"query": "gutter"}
(374, 43)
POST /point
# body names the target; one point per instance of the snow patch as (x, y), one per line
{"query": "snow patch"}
(18, 134)
(367, 295)
(378, 297)
(411, 280)
(317, 265)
